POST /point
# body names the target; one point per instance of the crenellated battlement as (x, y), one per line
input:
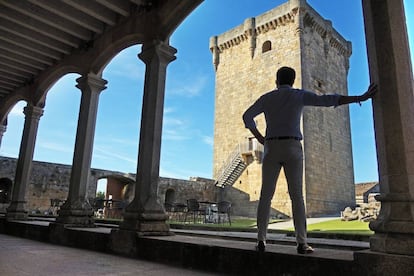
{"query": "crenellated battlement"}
(292, 12)
(311, 19)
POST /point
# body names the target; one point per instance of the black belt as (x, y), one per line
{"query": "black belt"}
(284, 138)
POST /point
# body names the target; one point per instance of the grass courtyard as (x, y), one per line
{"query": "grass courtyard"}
(335, 226)
(341, 227)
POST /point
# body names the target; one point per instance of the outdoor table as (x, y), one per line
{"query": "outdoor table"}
(211, 215)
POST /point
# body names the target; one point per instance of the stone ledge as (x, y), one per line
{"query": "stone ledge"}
(214, 254)
(378, 263)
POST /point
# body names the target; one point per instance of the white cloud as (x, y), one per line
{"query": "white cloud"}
(130, 70)
(105, 153)
(116, 141)
(208, 140)
(174, 135)
(168, 110)
(56, 147)
(169, 121)
(126, 64)
(17, 110)
(189, 87)
(175, 129)
(167, 173)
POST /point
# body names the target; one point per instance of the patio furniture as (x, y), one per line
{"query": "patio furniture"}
(193, 208)
(210, 208)
(169, 209)
(223, 211)
(179, 211)
(54, 208)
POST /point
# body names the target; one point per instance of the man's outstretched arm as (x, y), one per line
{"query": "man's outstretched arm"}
(372, 89)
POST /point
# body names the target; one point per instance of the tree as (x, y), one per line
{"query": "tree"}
(100, 195)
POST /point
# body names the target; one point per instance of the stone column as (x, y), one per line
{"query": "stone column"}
(17, 209)
(390, 67)
(145, 214)
(77, 210)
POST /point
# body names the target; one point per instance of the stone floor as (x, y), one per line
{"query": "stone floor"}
(20, 257)
(186, 252)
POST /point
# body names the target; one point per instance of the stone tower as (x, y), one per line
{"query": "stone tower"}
(246, 59)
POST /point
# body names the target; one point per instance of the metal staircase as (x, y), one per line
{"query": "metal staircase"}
(236, 164)
(233, 168)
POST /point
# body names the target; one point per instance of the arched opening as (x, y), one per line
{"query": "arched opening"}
(117, 135)
(101, 188)
(267, 46)
(10, 143)
(170, 196)
(55, 139)
(5, 190)
(113, 194)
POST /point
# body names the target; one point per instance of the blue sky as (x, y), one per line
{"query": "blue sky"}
(187, 144)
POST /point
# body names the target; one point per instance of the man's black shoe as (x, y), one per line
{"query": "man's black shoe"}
(304, 249)
(260, 246)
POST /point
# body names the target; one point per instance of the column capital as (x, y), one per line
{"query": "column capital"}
(3, 129)
(97, 83)
(34, 112)
(157, 49)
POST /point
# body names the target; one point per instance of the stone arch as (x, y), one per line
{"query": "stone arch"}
(267, 46)
(5, 189)
(93, 60)
(121, 187)
(9, 104)
(170, 196)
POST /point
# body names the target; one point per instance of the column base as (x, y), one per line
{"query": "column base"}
(393, 243)
(124, 242)
(17, 211)
(378, 263)
(76, 217)
(153, 224)
(392, 236)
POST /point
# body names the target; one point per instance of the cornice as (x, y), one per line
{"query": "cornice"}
(324, 28)
(280, 16)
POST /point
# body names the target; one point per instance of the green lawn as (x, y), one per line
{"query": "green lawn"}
(336, 226)
(235, 223)
(342, 227)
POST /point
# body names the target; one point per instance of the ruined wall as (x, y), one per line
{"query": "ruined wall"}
(51, 181)
(201, 189)
(246, 59)
(48, 181)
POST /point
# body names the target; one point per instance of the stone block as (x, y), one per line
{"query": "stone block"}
(372, 263)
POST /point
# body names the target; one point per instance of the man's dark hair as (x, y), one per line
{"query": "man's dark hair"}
(285, 75)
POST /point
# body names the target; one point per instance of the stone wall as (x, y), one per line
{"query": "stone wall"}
(329, 174)
(245, 69)
(51, 181)
(48, 181)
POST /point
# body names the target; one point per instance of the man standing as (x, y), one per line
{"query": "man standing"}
(282, 108)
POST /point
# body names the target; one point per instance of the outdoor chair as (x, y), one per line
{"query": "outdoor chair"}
(115, 209)
(169, 209)
(179, 211)
(193, 208)
(223, 210)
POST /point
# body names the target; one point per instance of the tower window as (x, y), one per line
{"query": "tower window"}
(267, 46)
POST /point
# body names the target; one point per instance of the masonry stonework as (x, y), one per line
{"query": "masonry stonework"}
(51, 181)
(246, 59)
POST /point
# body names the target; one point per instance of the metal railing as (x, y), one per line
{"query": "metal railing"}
(235, 164)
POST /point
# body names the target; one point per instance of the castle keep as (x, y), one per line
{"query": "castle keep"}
(246, 59)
